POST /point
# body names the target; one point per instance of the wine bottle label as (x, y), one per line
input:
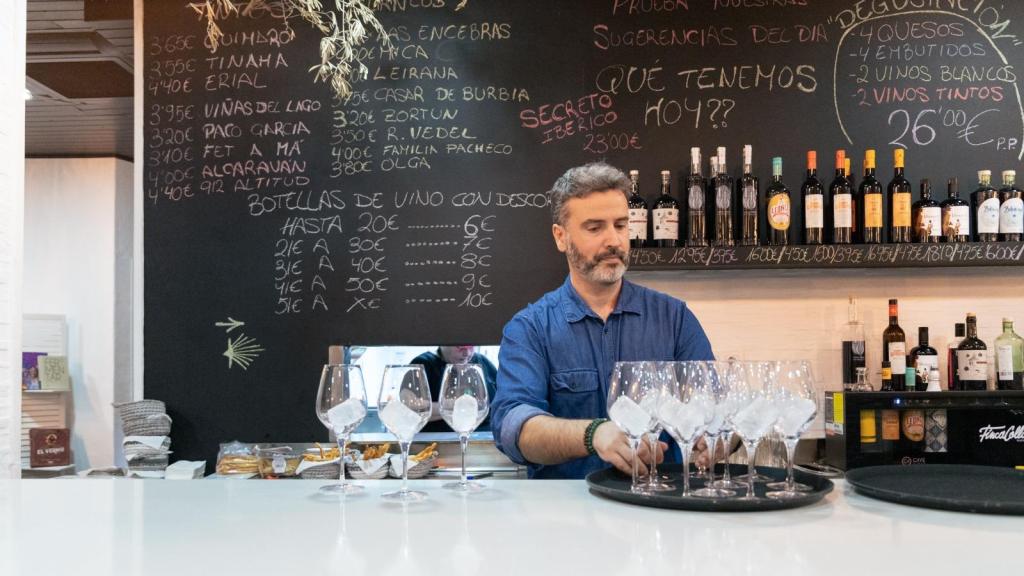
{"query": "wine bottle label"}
(842, 210)
(723, 197)
(1011, 216)
(868, 431)
(637, 224)
(988, 216)
(814, 211)
(749, 197)
(913, 425)
(696, 200)
(972, 364)
(1004, 362)
(890, 425)
(935, 436)
(779, 212)
(930, 221)
(872, 210)
(926, 363)
(901, 209)
(956, 221)
(666, 223)
(898, 357)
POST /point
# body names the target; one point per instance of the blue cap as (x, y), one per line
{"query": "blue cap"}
(777, 166)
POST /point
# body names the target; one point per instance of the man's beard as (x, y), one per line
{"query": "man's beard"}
(593, 270)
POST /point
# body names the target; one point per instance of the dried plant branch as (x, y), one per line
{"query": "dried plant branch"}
(344, 28)
(461, 5)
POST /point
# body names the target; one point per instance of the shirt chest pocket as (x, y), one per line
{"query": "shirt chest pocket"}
(576, 394)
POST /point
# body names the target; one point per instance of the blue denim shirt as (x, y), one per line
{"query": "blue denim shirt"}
(557, 355)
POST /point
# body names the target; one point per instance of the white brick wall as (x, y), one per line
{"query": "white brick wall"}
(12, 153)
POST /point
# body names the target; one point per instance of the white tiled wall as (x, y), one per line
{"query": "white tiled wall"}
(12, 153)
(798, 314)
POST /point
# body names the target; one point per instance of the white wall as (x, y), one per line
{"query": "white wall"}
(12, 150)
(71, 268)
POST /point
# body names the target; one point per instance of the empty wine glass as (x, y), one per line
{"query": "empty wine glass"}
(464, 405)
(632, 404)
(796, 403)
(655, 483)
(341, 406)
(716, 378)
(682, 411)
(730, 404)
(756, 412)
(404, 409)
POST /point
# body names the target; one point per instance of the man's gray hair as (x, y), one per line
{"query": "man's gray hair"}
(583, 181)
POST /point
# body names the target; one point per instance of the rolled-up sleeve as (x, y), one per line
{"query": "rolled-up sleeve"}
(691, 342)
(522, 386)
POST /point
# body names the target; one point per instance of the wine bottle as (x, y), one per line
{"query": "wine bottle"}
(748, 192)
(813, 197)
(842, 203)
(1009, 358)
(853, 346)
(986, 208)
(710, 191)
(956, 215)
(855, 200)
(886, 377)
(894, 348)
(1011, 209)
(900, 191)
(872, 200)
(637, 212)
(972, 359)
(696, 218)
(666, 215)
(924, 360)
(778, 207)
(927, 216)
(952, 376)
(724, 235)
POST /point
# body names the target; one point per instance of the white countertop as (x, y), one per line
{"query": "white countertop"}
(153, 527)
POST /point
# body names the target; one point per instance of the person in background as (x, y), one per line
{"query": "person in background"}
(557, 354)
(434, 364)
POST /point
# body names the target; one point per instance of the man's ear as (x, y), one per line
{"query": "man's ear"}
(560, 237)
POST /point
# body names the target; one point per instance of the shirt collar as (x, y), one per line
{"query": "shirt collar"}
(576, 309)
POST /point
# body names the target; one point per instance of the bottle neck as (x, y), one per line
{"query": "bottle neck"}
(1007, 328)
(899, 173)
(894, 315)
(747, 169)
(869, 173)
(776, 178)
(972, 329)
(812, 172)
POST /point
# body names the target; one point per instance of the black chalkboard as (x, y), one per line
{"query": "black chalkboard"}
(278, 221)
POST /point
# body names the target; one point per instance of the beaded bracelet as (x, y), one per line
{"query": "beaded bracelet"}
(588, 436)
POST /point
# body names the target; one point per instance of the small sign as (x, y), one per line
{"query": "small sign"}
(53, 373)
(49, 447)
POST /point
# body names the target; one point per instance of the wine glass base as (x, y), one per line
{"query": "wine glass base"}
(729, 485)
(659, 486)
(468, 487)
(784, 495)
(404, 496)
(342, 489)
(713, 493)
(783, 487)
(757, 478)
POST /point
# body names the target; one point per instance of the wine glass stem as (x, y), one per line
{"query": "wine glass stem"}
(712, 446)
(652, 441)
(686, 468)
(751, 469)
(726, 477)
(634, 443)
(405, 466)
(464, 441)
(342, 444)
(790, 453)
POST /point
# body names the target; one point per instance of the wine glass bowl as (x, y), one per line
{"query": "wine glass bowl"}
(341, 407)
(682, 411)
(463, 404)
(633, 398)
(796, 404)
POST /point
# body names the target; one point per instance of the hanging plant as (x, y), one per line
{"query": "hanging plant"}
(344, 28)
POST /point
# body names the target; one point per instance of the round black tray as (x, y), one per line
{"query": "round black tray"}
(961, 488)
(615, 485)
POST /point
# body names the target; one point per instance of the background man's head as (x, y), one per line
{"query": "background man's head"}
(591, 221)
(457, 354)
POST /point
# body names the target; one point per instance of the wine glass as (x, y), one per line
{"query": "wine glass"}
(682, 411)
(404, 408)
(655, 482)
(730, 404)
(464, 405)
(796, 403)
(756, 412)
(341, 406)
(716, 375)
(632, 392)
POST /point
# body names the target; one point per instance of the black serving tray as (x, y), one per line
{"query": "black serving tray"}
(957, 487)
(613, 484)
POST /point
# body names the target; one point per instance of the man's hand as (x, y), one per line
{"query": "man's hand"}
(700, 456)
(612, 446)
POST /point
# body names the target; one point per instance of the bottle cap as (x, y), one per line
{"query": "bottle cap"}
(748, 153)
(777, 166)
(922, 334)
(899, 157)
(1009, 173)
(1007, 320)
(812, 160)
(983, 174)
(665, 174)
(840, 159)
(893, 302)
(634, 172)
(869, 158)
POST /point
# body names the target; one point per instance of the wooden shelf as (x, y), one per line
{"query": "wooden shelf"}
(830, 257)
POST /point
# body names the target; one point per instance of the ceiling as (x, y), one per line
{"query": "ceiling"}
(79, 66)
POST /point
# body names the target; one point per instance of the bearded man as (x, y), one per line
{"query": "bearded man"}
(556, 355)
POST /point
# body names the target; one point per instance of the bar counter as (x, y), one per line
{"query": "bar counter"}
(123, 527)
